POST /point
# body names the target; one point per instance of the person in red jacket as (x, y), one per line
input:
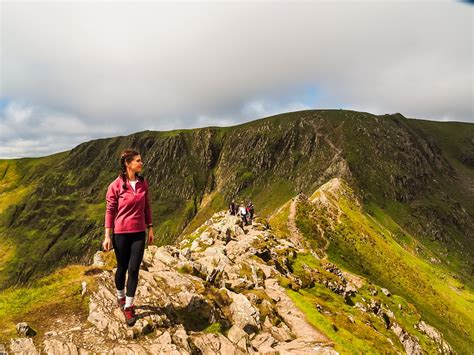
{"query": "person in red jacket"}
(127, 216)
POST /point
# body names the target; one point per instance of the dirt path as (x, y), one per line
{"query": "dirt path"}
(296, 319)
(175, 305)
(295, 235)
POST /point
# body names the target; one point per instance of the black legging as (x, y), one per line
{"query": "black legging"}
(129, 249)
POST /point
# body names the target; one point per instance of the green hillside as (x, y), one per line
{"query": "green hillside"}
(418, 172)
(375, 247)
(402, 219)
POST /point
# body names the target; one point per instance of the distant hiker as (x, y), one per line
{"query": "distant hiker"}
(233, 208)
(128, 215)
(243, 213)
(250, 211)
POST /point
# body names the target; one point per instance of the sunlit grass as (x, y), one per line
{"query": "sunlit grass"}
(376, 247)
(40, 304)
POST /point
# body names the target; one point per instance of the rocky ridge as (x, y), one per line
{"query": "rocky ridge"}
(220, 290)
(224, 277)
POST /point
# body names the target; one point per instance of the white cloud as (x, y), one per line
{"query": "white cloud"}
(260, 108)
(162, 65)
(31, 130)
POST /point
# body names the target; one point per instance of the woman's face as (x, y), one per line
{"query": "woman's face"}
(136, 164)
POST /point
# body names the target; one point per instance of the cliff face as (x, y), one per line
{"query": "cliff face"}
(418, 172)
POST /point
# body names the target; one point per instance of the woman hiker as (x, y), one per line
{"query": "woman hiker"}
(127, 216)
(243, 213)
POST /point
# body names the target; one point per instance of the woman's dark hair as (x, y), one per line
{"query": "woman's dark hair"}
(127, 156)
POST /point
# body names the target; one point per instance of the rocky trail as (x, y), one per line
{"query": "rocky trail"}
(225, 276)
(222, 290)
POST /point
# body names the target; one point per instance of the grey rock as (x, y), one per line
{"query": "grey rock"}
(128, 349)
(437, 337)
(214, 343)
(22, 346)
(164, 345)
(236, 334)
(264, 343)
(84, 288)
(243, 314)
(180, 338)
(98, 260)
(56, 347)
(409, 342)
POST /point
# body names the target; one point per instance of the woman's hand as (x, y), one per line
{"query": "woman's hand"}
(151, 236)
(107, 243)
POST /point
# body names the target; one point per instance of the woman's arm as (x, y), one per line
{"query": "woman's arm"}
(148, 214)
(108, 232)
(111, 209)
(148, 218)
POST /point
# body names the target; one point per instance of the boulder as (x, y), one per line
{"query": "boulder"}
(243, 314)
(54, 346)
(410, 343)
(22, 346)
(436, 336)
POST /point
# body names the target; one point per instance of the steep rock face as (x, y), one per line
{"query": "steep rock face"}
(294, 149)
(397, 164)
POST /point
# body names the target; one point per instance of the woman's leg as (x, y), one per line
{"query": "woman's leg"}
(121, 244)
(136, 257)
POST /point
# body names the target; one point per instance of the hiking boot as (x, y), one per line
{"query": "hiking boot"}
(121, 302)
(129, 313)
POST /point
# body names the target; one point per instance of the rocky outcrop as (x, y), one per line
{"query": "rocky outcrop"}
(435, 335)
(216, 292)
(23, 346)
(409, 342)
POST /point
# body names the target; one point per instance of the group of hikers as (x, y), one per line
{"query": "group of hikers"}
(245, 212)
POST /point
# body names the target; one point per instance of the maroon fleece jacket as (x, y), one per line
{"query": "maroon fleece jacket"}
(127, 210)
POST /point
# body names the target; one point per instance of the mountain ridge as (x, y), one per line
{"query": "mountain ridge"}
(283, 154)
(232, 288)
(413, 179)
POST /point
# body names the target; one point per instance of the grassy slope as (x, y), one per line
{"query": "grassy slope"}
(362, 332)
(381, 251)
(439, 188)
(365, 333)
(52, 208)
(18, 180)
(57, 295)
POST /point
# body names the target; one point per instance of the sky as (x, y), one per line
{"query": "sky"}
(72, 72)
